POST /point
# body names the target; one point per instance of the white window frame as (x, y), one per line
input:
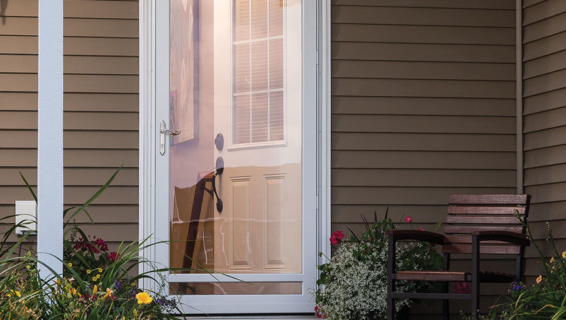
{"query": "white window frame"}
(148, 148)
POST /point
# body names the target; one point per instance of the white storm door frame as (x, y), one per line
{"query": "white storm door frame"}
(154, 170)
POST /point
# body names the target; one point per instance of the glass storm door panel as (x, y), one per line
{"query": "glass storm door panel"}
(236, 181)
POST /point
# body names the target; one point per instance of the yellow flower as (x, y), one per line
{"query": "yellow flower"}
(17, 293)
(70, 265)
(88, 272)
(99, 269)
(108, 293)
(564, 254)
(539, 279)
(94, 279)
(94, 290)
(144, 298)
(552, 260)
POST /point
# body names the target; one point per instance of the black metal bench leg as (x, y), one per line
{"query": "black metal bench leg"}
(390, 308)
(446, 306)
(475, 278)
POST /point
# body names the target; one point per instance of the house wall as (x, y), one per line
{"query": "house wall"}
(101, 109)
(423, 106)
(544, 92)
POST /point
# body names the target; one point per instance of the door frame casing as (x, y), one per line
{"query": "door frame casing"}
(148, 132)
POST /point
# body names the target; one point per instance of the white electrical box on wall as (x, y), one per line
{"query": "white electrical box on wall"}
(26, 214)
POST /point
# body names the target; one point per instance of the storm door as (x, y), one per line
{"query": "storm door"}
(235, 166)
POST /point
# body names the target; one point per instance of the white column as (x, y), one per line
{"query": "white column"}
(50, 137)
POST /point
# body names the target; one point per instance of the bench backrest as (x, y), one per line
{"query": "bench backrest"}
(493, 212)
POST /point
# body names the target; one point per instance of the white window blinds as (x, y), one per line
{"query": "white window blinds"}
(259, 114)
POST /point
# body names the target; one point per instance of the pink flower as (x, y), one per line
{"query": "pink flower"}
(421, 229)
(333, 240)
(463, 287)
(338, 234)
(113, 256)
(408, 219)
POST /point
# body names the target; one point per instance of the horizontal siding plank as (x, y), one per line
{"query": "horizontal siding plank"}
(18, 82)
(544, 65)
(476, 4)
(529, 3)
(73, 102)
(545, 139)
(546, 175)
(543, 47)
(547, 211)
(100, 214)
(545, 120)
(18, 63)
(545, 83)
(101, 65)
(108, 28)
(415, 142)
(73, 64)
(101, 9)
(545, 28)
(73, 46)
(73, 83)
(20, 139)
(423, 160)
(78, 9)
(423, 124)
(421, 88)
(423, 106)
(422, 34)
(545, 157)
(422, 178)
(422, 70)
(101, 83)
(18, 45)
(545, 101)
(422, 52)
(73, 121)
(101, 102)
(547, 193)
(423, 16)
(73, 176)
(352, 214)
(404, 196)
(101, 47)
(543, 11)
(76, 195)
(24, 158)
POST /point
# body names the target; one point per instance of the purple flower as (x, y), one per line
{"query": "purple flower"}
(118, 284)
(515, 286)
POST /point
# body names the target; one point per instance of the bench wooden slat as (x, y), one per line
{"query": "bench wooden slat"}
(450, 229)
(485, 210)
(489, 199)
(482, 220)
(467, 249)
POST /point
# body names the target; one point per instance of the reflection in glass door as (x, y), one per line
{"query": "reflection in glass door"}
(236, 181)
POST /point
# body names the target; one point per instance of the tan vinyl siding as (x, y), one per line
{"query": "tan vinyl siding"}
(544, 76)
(423, 106)
(101, 110)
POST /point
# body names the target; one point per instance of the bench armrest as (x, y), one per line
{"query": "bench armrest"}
(427, 236)
(505, 236)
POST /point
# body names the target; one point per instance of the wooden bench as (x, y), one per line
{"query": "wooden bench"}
(475, 224)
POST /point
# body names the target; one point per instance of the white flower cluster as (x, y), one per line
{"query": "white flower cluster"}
(357, 287)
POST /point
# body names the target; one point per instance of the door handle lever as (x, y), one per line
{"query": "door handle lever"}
(219, 203)
(163, 130)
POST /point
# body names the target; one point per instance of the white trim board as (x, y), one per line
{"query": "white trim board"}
(50, 138)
